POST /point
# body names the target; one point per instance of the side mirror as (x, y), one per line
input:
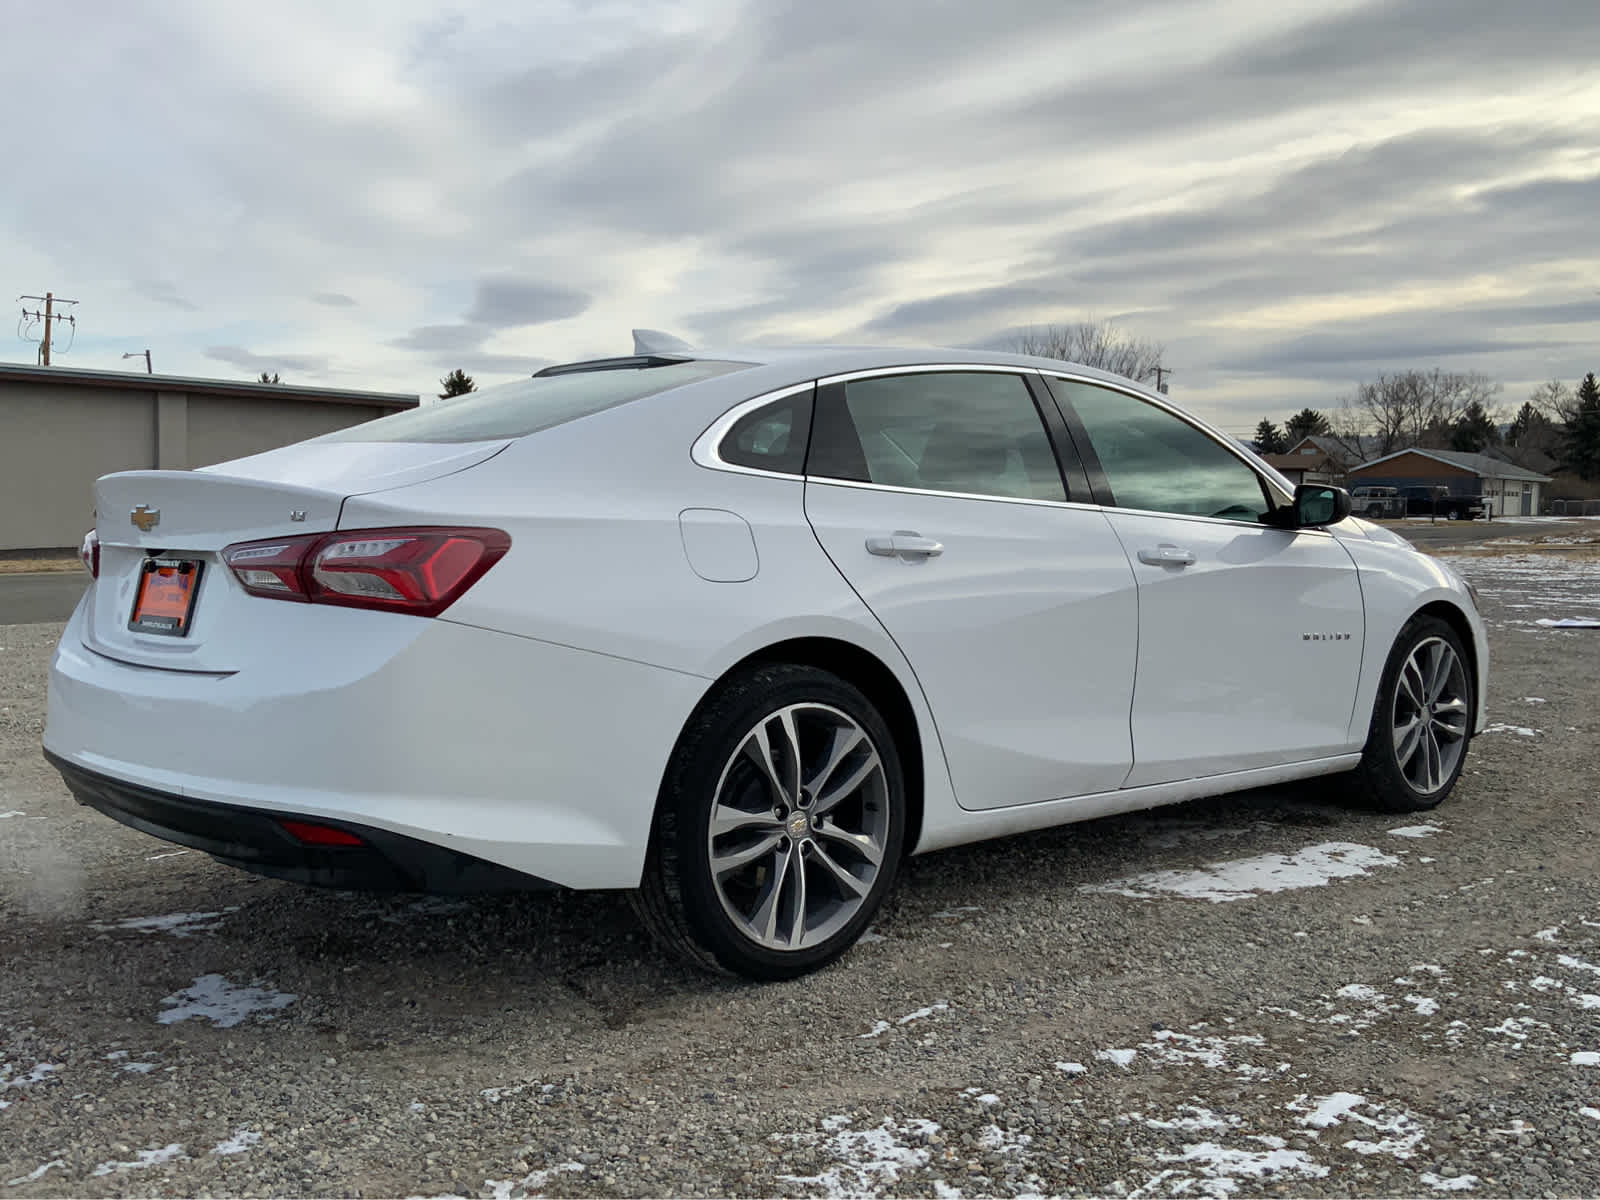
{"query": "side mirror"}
(1315, 505)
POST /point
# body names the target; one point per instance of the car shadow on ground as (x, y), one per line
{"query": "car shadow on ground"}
(387, 968)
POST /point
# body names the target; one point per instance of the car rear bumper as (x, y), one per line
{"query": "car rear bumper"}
(536, 757)
(256, 840)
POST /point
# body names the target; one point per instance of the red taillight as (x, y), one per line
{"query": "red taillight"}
(421, 571)
(89, 553)
(313, 834)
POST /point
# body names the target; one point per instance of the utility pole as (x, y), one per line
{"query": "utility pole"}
(148, 369)
(1161, 381)
(50, 317)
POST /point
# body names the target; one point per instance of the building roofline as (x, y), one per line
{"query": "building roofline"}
(195, 386)
(1512, 470)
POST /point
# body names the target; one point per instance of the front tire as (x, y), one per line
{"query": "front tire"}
(779, 828)
(1421, 722)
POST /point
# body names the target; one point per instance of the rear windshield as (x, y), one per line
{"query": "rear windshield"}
(513, 410)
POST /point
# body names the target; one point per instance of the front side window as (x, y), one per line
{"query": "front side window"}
(1158, 462)
(976, 432)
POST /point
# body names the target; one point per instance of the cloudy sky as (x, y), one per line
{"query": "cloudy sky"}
(1292, 195)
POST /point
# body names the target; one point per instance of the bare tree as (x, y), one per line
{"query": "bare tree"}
(1093, 343)
(1412, 409)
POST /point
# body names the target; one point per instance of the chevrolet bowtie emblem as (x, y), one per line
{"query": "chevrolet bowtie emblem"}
(145, 517)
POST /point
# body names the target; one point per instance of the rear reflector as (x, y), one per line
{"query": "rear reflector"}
(421, 571)
(313, 834)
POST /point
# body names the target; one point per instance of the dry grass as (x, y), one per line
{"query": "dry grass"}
(17, 566)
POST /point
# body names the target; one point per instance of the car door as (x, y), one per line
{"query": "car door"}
(939, 495)
(1250, 637)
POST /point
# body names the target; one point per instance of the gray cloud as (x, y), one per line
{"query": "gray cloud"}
(503, 303)
(163, 291)
(443, 337)
(238, 356)
(509, 364)
(334, 299)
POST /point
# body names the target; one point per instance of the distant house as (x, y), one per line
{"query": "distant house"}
(1313, 459)
(1509, 489)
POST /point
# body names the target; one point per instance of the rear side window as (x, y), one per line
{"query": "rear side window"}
(513, 410)
(973, 432)
(773, 438)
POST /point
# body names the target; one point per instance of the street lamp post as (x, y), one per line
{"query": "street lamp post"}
(136, 353)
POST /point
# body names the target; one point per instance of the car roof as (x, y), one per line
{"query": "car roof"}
(828, 359)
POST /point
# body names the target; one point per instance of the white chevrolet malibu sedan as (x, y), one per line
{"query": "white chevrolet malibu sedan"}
(738, 632)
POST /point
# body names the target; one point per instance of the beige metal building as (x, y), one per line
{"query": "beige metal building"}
(61, 429)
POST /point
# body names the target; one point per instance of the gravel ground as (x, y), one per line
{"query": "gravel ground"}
(1265, 995)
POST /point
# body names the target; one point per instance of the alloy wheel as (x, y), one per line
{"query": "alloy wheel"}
(799, 826)
(1430, 715)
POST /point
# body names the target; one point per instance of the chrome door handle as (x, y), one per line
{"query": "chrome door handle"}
(1166, 555)
(904, 544)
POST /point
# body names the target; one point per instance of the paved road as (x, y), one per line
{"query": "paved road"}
(39, 596)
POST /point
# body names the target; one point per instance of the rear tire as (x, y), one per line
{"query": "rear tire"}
(779, 828)
(1421, 722)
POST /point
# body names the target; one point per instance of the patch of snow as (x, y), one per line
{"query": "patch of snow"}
(1358, 991)
(878, 1027)
(167, 854)
(1548, 935)
(222, 1003)
(1247, 878)
(40, 1072)
(1072, 1068)
(37, 1173)
(1123, 1058)
(1416, 831)
(13, 813)
(1592, 1113)
(921, 1013)
(1585, 1058)
(1577, 964)
(177, 924)
(1328, 1110)
(1219, 1169)
(1569, 623)
(1516, 1028)
(243, 1138)
(147, 1158)
(1533, 700)
(531, 1183)
(1198, 1119)
(868, 1159)
(1456, 1183)
(1426, 1006)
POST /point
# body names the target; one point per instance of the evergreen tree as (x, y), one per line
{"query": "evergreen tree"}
(1580, 439)
(457, 383)
(1522, 424)
(1308, 422)
(1269, 438)
(1474, 429)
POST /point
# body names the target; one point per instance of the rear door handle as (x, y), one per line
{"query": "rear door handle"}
(904, 543)
(1166, 555)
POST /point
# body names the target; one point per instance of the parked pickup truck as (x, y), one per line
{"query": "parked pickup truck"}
(1425, 501)
(1375, 502)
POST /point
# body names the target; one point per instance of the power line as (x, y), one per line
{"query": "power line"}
(50, 318)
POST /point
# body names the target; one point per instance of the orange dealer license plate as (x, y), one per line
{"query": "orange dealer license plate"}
(165, 600)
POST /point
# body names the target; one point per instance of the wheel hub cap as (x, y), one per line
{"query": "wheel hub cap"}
(1430, 715)
(799, 826)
